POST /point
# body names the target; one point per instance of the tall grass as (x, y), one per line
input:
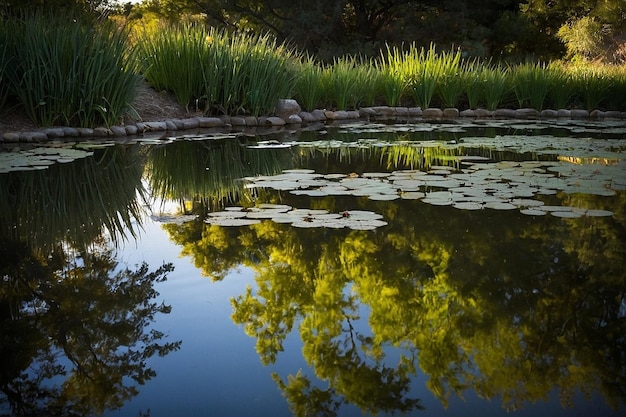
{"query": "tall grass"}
(473, 83)
(309, 88)
(496, 85)
(230, 73)
(70, 72)
(561, 86)
(591, 85)
(531, 83)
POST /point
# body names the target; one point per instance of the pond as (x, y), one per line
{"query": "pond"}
(462, 268)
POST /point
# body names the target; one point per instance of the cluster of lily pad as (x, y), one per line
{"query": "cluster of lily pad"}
(303, 218)
(500, 186)
(39, 158)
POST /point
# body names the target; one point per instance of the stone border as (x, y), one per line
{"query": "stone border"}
(296, 117)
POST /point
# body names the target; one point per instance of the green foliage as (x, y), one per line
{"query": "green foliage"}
(5, 66)
(591, 85)
(309, 88)
(70, 72)
(86, 346)
(496, 85)
(531, 83)
(350, 82)
(230, 73)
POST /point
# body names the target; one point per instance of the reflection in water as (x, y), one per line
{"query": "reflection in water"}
(507, 305)
(74, 325)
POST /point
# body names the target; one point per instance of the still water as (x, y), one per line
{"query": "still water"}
(475, 268)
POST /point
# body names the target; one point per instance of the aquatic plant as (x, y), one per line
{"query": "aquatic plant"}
(496, 85)
(70, 72)
(218, 71)
(591, 84)
(531, 84)
(309, 88)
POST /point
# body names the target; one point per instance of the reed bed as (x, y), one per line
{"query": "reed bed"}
(64, 72)
(69, 72)
(218, 71)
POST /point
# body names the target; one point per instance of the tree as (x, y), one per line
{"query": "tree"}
(79, 309)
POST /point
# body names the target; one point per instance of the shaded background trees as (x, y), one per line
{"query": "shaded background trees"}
(503, 29)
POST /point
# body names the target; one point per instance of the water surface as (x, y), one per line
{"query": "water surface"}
(432, 269)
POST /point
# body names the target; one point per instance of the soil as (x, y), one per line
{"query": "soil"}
(149, 105)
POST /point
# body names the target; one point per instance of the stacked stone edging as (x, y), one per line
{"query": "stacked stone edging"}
(296, 117)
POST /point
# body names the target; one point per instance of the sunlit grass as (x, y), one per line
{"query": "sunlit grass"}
(71, 72)
(229, 73)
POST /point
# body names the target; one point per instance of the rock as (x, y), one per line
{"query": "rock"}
(549, 114)
(192, 123)
(579, 114)
(33, 137)
(415, 112)
(504, 114)
(526, 113)
(483, 113)
(118, 131)
(367, 112)
(251, 121)
(564, 113)
(140, 127)
(468, 113)
(319, 115)
(131, 130)
(450, 113)
(294, 119)
(11, 137)
(402, 112)
(210, 122)
(274, 121)
(385, 111)
(53, 132)
(155, 126)
(613, 114)
(102, 132)
(329, 115)
(432, 113)
(286, 108)
(237, 121)
(170, 125)
(70, 131)
(353, 114)
(307, 117)
(596, 114)
(85, 132)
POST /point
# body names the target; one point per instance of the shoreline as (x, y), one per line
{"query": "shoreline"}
(299, 119)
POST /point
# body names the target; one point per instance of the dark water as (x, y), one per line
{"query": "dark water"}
(119, 295)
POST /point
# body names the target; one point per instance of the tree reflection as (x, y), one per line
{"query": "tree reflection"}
(75, 336)
(509, 306)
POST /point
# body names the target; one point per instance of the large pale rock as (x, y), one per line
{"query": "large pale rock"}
(549, 114)
(482, 113)
(287, 107)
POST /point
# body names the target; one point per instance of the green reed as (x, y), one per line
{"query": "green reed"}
(561, 90)
(309, 89)
(496, 85)
(430, 68)
(342, 87)
(591, 85)
(229, 73)
(473, 83)
(531, 83)
(71, 72)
